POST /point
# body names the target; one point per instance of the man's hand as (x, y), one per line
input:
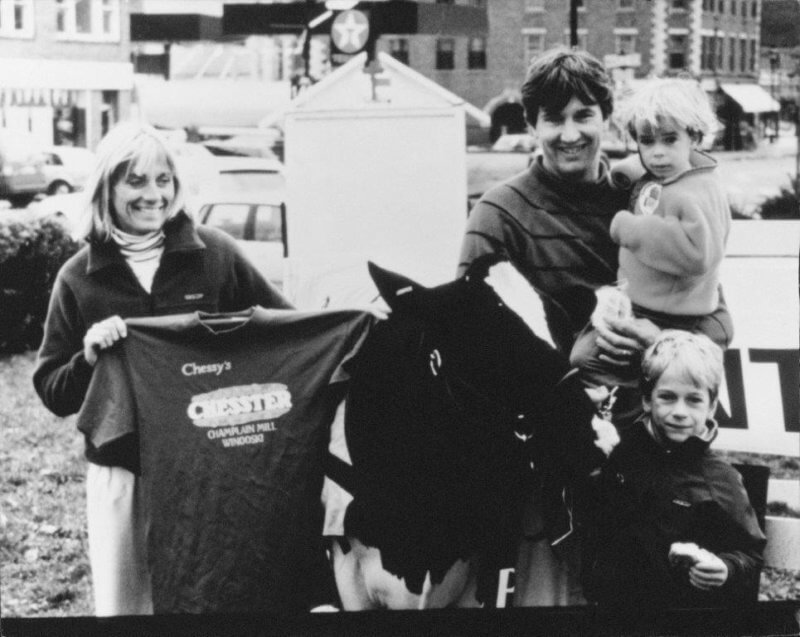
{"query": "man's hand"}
(621, 339)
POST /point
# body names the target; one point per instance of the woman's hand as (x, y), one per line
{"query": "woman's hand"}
(103, 335)
(619, 339)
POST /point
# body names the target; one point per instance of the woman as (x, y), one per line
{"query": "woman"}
(144, 256)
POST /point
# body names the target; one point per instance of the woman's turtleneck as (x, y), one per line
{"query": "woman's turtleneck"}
(142, 252)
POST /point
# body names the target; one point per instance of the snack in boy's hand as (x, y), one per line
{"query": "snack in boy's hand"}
(612, 303)
(685, 554)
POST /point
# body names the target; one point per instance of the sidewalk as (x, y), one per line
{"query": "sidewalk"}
(785, 145)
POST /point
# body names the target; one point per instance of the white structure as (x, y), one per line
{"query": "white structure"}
(375, 169)
(759, 277)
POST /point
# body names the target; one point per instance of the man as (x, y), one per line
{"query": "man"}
(552, 222)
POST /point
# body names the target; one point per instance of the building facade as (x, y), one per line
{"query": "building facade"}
(714, 41)
(480, 49)
(65, 74)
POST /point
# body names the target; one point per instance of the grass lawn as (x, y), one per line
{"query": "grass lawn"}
(44, 567)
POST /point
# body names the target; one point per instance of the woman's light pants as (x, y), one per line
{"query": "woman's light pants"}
(117, 542)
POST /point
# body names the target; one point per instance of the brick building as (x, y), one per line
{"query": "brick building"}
(715, 41)
(479, 49)
(65, 74)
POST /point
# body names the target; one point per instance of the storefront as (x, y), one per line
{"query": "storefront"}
(748, 113)
(64, 102)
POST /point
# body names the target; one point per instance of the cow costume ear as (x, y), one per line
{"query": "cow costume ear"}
(394, 288)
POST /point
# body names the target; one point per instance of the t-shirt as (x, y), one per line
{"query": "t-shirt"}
(233, 415)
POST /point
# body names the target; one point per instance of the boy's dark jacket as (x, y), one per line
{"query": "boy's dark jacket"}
(650, 497)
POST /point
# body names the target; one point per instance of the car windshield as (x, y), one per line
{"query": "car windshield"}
(250, 181)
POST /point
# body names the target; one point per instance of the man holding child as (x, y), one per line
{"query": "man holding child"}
(554, 223)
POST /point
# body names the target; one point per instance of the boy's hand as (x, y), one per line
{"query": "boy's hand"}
(709, 572)
(706, 570)
(606, 434)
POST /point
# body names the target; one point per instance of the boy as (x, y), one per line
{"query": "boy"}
(675, 527)
(672, 244)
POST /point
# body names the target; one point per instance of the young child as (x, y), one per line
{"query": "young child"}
(674, 527)
(673, 242)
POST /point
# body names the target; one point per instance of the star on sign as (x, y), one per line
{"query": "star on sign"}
(351, 30)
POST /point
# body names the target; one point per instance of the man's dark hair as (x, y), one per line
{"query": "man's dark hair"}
(558, 75)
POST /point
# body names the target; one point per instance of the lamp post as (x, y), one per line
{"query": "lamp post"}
(573, 23)
(774, 60)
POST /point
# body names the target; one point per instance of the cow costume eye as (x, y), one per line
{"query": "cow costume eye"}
(435, 362)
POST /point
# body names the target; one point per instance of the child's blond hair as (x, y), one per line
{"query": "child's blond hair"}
(694, 356)
(681, 101)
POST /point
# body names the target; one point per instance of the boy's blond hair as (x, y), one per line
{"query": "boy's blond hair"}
(694, 356)
(681, 101)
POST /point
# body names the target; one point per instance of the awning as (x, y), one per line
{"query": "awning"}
(751, 97)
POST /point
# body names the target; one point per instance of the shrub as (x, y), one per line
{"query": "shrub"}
(785, 205)
(30, 256)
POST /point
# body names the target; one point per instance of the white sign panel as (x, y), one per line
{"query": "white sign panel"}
(760, 401)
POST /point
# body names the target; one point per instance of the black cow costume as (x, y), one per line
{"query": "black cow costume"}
(452, 402)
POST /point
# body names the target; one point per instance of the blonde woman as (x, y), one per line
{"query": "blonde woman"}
(144, 256)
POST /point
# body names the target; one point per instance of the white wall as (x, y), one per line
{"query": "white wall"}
(380, 183)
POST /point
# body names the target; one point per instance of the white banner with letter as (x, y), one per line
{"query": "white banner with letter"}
(760, 399)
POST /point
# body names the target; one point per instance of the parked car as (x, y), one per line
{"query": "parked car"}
(67, 168)
(200, 171)
(514, 143)
(249, 174)
(66, 208)
(258, 222)
(266, 143)
(22, 174)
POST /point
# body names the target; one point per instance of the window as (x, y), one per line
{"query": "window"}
(732, 54)
(705, 56)
(476, 56)
(445, 54)
(230, 218)
(16, 18)
(742, 55)
(754, 9)
(534, 44)
(398, 49)
(679, 5)
(625, 5)
(625, 43)
(534, 5)
(267, 226)
(752, 55)
(677, 51)
(89, 20)
(445, 1)
(581, 38)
